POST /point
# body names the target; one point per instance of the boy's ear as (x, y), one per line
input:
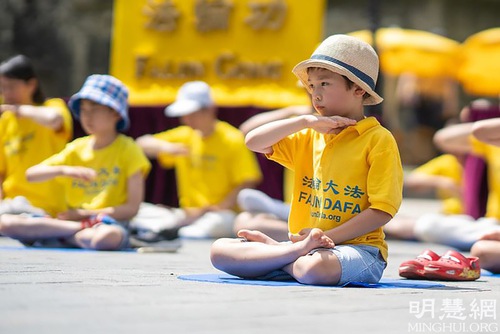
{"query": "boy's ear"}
(32, 83)
(359, 91)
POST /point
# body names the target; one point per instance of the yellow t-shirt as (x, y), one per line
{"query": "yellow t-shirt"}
(114, 164)
(25, 143)
(491, 154)
(445, 165)
(339, 176)
(216, 165)
(288, 178)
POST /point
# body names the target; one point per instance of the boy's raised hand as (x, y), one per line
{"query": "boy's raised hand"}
(81, 173)
(331, 124)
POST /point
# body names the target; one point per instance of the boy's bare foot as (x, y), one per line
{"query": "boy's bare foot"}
(316, 239)
(257, 236)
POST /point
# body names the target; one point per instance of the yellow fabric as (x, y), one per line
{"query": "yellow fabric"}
(288, 178)
(114, 164)
(339, 176)
(216, 166)
(479, 65)
(159, 45)
(492, 156)
(26, 143)
(445, 165)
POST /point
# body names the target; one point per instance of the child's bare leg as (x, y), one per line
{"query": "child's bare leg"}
(488, 252)
(319, 268)
(102, 237)
(400, 227)
(252, 259)
(267, 224)
(32, 228)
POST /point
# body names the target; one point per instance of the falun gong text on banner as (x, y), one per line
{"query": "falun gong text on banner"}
(245, 49)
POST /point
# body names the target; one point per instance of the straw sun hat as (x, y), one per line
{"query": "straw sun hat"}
(348, 56)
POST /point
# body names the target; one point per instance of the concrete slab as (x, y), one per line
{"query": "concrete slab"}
(56, 291)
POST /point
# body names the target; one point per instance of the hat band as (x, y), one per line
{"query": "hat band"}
(360, 74)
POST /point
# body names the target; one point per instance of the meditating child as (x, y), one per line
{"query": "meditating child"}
(348, 177)
(32, 128)
(103, 176)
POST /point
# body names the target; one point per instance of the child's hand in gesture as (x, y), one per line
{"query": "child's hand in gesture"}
(328, 125)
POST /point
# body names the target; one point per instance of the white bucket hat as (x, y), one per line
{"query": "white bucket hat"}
(348, 56)
(192, 96)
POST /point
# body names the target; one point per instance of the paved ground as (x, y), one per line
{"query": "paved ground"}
(53, 291)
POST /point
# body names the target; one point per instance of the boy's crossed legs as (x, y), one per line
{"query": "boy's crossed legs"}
(29, 229)
(262, 255)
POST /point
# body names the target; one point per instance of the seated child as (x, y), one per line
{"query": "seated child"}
(348, 177)
(103, 176)
(32, 128)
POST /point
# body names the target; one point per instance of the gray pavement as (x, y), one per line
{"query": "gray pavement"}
(54, 291)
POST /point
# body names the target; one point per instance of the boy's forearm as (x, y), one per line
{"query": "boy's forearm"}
(488, 131)
(262, 139)
(46, 116)
(149, 145)
(271, 116)
(39, 173)
(454, 138)
(365, 222)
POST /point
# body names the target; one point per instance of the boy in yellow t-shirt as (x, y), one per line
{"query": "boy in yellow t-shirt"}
(32, 129)
(103, 176)
(212, 165)
(348, 177)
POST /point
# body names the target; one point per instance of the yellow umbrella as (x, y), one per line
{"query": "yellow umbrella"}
(421, 53)
(479, 71)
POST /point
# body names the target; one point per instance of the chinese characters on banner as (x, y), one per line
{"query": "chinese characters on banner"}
(245, 49)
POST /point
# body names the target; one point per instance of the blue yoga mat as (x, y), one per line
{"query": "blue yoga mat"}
(55, 249)
(489, 273)
(385, 283)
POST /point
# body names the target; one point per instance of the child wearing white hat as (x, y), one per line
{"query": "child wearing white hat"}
(102, 174)
(212, 165)
(348, 177)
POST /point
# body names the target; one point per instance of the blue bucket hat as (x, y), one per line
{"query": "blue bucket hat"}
(105, 90)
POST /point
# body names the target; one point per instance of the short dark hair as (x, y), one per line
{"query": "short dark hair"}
(20, 67)
(349, 84)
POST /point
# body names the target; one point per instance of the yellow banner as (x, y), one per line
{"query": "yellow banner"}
(245, 49)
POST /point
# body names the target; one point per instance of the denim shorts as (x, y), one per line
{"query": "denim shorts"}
(359, 263)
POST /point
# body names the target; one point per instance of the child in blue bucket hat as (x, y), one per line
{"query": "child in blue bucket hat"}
(107, 91)
(103, 175)
(348, 177)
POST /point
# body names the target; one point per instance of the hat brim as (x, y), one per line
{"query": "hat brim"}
(300, 70)
(182, 108)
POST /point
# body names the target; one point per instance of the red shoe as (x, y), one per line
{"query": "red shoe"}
(414, 269)
(453, 266)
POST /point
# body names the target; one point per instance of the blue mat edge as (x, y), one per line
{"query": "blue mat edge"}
(385, 283)
(61, 249)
